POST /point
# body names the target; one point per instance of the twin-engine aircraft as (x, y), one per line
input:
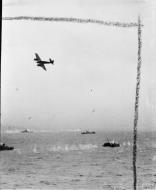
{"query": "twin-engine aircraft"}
(42, 63)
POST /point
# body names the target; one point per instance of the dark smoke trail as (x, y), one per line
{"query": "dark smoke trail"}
(73, 20)
(107, 23)
(137, 105)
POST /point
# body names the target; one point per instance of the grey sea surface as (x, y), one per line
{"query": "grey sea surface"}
(70, 160)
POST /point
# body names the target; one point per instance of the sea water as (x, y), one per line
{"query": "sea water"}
(70, 160)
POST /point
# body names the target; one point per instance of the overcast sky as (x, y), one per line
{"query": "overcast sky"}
(92, 84)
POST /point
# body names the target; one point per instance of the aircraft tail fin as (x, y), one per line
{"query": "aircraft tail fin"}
(51, 61)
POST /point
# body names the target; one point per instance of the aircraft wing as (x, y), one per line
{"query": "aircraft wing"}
(43, 66)
(37, 57)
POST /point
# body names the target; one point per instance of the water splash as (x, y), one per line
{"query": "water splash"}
(35, 149)
(153, 144)
(154, 158)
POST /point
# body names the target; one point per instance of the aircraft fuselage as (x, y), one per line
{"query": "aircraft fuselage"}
(43, 62)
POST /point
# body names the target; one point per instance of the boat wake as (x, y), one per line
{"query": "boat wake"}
(18, 151)
(66, 148)
(127, 143)
(12, 131)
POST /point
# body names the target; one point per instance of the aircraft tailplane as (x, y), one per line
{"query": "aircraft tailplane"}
(51, 61)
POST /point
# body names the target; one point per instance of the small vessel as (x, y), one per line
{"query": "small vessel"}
(3, 146)
(26, 131)
(111, 144)
(88, 132)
